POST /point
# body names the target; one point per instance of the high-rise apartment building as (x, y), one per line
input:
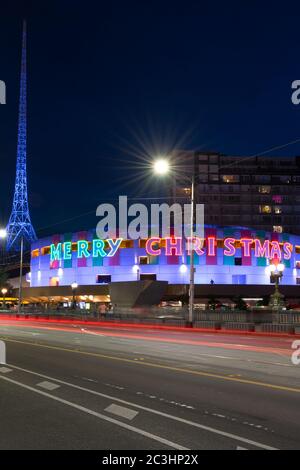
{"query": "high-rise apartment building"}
(260, 192)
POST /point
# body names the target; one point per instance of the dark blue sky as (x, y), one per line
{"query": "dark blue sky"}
(111, 80)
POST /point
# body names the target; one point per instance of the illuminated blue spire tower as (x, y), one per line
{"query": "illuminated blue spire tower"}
(19, 226)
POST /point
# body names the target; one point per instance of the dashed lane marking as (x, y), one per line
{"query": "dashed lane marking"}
(121, 411)
(150, 410)
(5, 370)
(88, 411)
(48, 385)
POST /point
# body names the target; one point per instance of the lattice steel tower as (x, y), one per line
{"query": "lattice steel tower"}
(19, 225)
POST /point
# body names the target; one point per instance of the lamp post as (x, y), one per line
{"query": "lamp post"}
(276, 299)
(162, 167)
(74, 286)
(3, 235)
(21, 274)
(4, 292)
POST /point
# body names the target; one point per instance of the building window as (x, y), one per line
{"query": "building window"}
(277, 228)
(186, 191)
(148, 277)
(35, 253)
(239, 279)
(238, 261)
(143, 260)
(127, 244)
(297, 265)
(54, 281)
(103, 279)
(298, 280)
(45, 250)
(265, 209)
(277, 210)
(277, 198)
(231, 178)
(264, 189)
(262, 179)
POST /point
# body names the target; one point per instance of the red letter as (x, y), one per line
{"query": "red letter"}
(194, 243)
(275, 250)
(287, 249)
(229, 245)
(246, 243)
(149, 249)
(173, 244)
(262, 250)
(211, 244)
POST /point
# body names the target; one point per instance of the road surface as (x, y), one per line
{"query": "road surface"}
(79, 386)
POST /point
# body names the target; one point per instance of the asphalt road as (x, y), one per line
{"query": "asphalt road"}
(84, 387)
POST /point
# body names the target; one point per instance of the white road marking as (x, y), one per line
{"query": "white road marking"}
(48, 385)
(150, 410)
(5, 370)
(149, 435)
(121, 411)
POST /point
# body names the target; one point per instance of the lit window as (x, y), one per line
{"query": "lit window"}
(277, 210)
(265, 209)
(277, 198)
(35, 253)
(54, 281)
(186, 190)
(127, 244)
(231, 178)
(45, 250)
(264, 189)
(277, 228)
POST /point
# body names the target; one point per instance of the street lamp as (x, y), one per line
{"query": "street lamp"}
(74, 286)
(3, 233)
(276, 271)
(162, 167)
(4, 292)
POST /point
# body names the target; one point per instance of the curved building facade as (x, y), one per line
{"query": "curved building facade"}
(229, 255)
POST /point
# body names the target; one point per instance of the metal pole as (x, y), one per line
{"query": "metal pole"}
(20, 280)
(192, 270)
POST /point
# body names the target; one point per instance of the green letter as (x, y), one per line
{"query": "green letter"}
(82, 249)
(55, 252)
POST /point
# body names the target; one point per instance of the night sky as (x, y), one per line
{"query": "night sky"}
(112, 83)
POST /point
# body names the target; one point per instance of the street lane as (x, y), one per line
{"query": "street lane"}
(251, 394)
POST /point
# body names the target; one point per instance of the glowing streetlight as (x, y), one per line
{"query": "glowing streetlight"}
(161, 166)
(276, 270)
(74, 286)
(3, 233)
(4, 292)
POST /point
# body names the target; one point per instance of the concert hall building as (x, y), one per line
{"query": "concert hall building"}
(232, 261)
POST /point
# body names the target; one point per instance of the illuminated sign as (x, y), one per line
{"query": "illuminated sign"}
(267, 249)
(176, 246)
(85, 249)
